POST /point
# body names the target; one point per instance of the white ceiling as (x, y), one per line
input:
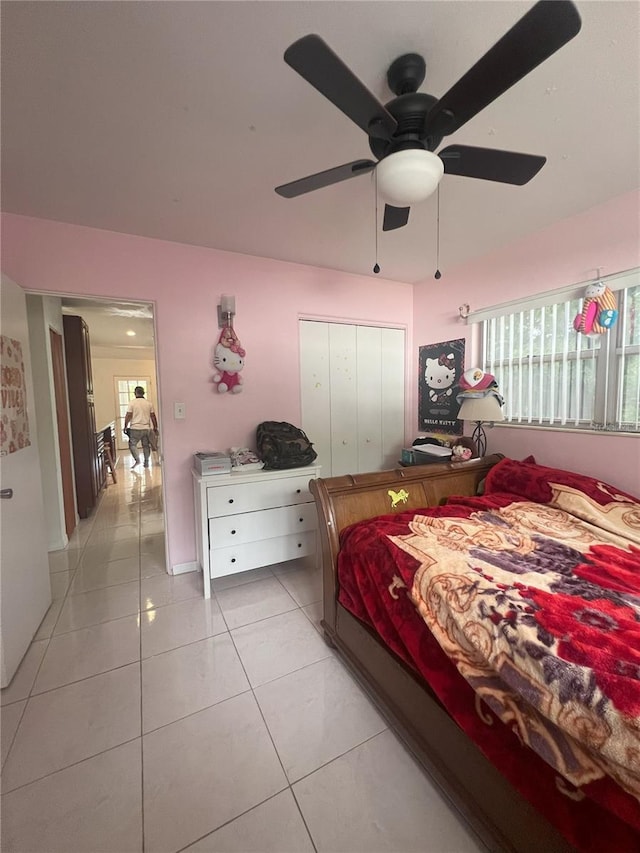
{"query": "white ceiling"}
(109, 322)
(177, 119)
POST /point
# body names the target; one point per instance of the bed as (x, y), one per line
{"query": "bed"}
(464, 616)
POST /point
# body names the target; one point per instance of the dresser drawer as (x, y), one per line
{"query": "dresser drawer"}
(233, 498)
(263, 524)
(250, 555)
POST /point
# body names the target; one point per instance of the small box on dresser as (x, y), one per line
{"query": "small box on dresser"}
(258, 518)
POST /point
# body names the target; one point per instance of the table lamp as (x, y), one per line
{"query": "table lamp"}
(485, 409)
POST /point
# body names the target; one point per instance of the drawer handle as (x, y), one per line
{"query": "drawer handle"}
(298, 491)
(233, 533)
(301, 519)
(299, 544)
(230, 500)
(233, 559)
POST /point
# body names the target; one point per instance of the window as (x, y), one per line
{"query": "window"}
(551, 375)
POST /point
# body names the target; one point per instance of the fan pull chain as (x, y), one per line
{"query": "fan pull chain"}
(376, 266)
(438, 274)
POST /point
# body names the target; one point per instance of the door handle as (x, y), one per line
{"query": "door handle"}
(6, 493)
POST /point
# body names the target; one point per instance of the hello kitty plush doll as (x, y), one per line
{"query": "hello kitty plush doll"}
(228, 361)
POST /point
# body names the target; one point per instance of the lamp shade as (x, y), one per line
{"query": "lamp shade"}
(486, 409)
(410, 176)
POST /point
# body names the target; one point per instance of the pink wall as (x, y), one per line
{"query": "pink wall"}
(186, 282)
(569, 252)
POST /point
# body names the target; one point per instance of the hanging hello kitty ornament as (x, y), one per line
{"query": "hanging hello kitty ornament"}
(228, 361)
(599, 310)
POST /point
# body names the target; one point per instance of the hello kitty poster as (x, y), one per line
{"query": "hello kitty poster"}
(439, 370)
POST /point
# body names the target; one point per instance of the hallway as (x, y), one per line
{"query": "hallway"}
(145, 717)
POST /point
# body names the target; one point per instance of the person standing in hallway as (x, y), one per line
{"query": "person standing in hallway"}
(140, 420)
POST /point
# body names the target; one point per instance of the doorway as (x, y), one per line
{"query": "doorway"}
(122, 344)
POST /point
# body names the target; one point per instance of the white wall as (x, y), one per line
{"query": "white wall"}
(44, 313)
(105, 370)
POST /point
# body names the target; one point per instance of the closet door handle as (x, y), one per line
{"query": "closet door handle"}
(6, 494)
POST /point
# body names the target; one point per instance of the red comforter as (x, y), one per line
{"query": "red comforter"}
(534, 593)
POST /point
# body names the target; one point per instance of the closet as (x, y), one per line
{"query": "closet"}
(352, 382)
(87, 457)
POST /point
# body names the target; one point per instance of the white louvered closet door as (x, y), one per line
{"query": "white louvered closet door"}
(352, 395)
(369, 397)
(392, 370)
(316, 390)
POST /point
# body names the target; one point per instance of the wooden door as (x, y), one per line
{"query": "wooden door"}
(81, 408)
(91, 408)
(64, 443)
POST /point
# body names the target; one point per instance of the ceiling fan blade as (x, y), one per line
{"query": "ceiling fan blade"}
(314, 60)
(326, 178)
(490, 164)
(395, 217)
(545, 28)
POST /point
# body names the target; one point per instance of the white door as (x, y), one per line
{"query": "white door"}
(369, 397)
(343, 379)
(392, 406)
(24, 564)
(316, 390)
(352, 381)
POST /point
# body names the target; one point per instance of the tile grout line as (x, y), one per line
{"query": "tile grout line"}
(86, 677)
(273, 616)
(53, 628)
(67, 766)
(48, 639)
(255, 699)
(231, 820)
(298, 806)
(140, 617)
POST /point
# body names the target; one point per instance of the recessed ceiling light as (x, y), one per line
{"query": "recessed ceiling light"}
(131, 333)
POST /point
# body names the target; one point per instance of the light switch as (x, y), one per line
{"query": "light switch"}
(178, 411)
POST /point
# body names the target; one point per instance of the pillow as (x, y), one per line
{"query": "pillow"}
(530, 481)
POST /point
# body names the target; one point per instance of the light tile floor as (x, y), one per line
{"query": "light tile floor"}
(146, 718)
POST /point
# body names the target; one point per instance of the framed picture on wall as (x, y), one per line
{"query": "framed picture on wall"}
(440, 367)
(14, 420)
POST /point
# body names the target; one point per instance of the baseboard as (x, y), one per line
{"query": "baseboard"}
(183, 568)
(59, 544)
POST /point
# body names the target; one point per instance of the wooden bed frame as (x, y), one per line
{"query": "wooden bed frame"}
(497, 812)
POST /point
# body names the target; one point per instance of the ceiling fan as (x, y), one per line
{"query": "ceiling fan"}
(404, 133)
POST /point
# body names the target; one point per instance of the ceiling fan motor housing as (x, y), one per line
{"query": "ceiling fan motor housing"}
(409, 111)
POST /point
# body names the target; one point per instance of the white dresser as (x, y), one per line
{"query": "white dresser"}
(255, 519)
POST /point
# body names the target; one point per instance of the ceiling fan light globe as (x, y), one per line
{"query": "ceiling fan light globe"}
(408, 177)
